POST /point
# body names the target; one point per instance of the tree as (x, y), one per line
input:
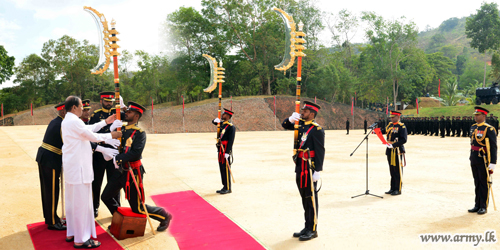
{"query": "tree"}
(483, 28)
(343, 28)
(6, 65)
(451, 96)
(392, 41)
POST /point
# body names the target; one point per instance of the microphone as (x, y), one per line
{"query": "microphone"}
(373, 125)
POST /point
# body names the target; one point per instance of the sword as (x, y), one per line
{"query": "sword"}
(313, 192)
(140, 198)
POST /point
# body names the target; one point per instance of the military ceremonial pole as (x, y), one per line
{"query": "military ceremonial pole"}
(107, 49)
(293, 48)
(216, 76)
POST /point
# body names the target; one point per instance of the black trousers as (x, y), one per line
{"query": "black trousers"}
(442, 132)
(306, 195)
(347, 130)
(396, 172)
(225, 175)
(481, 184)
(100, 165)
(49, 186)
(112, 190)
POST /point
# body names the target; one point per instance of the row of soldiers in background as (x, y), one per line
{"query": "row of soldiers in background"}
(444, 126)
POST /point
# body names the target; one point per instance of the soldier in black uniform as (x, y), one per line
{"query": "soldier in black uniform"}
(99, 163)
(49, 158)
(365, 125)
(448, 126)
(308, 164)
(483, 158)
(347, 125)
(225, 149)
(133, 143)
(86, 112)
(442, 126)
(396, 138)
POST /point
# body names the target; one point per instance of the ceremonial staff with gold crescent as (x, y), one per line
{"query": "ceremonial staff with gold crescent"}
(217, 76)
(293, 48)
(308, 151)
(108, 48)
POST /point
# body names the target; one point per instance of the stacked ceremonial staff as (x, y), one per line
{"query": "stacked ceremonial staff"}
(107, 49)
(294, 41)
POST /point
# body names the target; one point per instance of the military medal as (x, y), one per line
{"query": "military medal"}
(128, 143)
(304, 137)
(480, 133)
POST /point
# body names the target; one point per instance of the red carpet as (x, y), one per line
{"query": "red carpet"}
(198, 225)
(44, 239)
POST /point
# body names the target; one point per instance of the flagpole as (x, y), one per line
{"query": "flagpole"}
(183, 124)
(275, 113)
(152, 116)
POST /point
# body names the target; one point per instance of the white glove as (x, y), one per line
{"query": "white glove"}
(108, 153)
(116, 124)
(114, 162)
(226, 156)
(217, 120)
(315, 176)
(112, 142)
(294, 117)
(122, 105)
(389, 145)
(492, 167)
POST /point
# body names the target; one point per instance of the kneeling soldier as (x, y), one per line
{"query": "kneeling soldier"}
(133, 143)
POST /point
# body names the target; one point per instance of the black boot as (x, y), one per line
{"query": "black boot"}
(308, 235)
(302, 232)
(474, 210)
(164, 224)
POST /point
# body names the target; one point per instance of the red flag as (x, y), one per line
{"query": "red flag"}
(380, 136)
(352, 106)
(231, 102)
(31, 109)
(152, 107)
(274, 105)
(417, 105)
(182, 105)
(315, 99)
(439, 88)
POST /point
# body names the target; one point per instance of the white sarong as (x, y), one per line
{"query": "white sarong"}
(79, 212)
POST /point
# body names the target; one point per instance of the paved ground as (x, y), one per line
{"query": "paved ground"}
(438, 190)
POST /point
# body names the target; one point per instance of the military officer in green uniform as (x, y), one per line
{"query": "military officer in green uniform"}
(308, 164)
(483, 158)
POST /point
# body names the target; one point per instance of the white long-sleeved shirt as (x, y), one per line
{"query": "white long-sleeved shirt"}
(77, 152)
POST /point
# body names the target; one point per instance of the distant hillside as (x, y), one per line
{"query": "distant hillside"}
(251, 114)
(450, 39)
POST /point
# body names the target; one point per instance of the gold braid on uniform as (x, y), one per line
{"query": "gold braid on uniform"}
(389, 129)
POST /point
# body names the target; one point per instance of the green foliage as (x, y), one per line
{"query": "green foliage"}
(484, 28)
(6, 65)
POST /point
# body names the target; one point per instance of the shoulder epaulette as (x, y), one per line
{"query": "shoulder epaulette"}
(97, 110)
(318, 127)
(137, 128)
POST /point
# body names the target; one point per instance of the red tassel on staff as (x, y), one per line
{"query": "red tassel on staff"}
(439, 88)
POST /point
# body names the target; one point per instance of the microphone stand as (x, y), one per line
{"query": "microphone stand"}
(367, 192)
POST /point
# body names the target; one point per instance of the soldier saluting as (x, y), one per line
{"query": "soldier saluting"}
(225, 149)
(396, 138)
(308, 163)
(483, 158)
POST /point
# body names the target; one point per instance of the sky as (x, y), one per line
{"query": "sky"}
(26, 24)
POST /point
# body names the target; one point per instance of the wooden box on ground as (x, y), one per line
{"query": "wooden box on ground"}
(127, 224)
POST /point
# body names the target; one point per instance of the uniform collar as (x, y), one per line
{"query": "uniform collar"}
(106, 110)
(308, 122)
(61, 117)
(130, 126)
(481, 124)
